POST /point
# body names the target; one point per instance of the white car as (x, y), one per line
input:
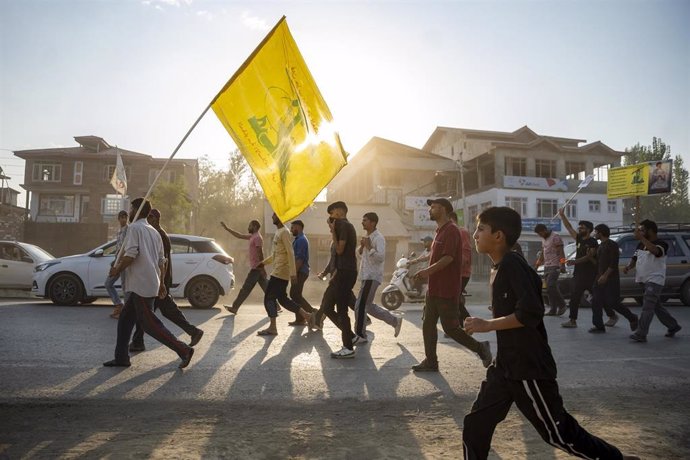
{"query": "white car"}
(202, 272)
(17, 262)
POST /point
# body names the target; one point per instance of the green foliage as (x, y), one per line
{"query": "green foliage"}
(232, 195)
(673, 207)
(175, 205)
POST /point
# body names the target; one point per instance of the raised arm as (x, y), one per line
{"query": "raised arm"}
(566, 222)
(242, 236)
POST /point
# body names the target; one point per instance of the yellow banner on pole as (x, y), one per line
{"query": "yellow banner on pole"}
(276, 115)
(652, 178)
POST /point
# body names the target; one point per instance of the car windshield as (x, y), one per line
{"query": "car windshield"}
(36, 251)
(569, 250)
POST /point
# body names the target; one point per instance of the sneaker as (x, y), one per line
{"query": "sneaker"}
(597, 330)
(638, 338)
(196, 337)
(117, 309)
(571, 323)
(426, 366)
(398, 326)
(359, 340)
(343, 353)
(611, 322)
(634, 323)
(135, 347)
(561, 310)
(485, 354)
(671, 332)
(231, 309)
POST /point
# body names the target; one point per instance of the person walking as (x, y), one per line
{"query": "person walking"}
(419, 263)
(257, 272)
(284, 270)
(443, 272)
(110, 281)
(553, 258)
(343, 280)
(524, 371)
(166, 305)
(607, 288)
(300, 246)
(144, 262)
(649, 263)
(372, 248)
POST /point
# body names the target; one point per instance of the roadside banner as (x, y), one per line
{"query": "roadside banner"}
(650, 178)
(274, 112)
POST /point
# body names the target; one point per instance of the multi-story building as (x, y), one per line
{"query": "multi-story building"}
(532, 173)
(72, 184)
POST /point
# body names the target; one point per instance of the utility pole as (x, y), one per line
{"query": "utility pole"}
(462, 184)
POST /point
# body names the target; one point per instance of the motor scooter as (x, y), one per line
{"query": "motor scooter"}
(401, 287)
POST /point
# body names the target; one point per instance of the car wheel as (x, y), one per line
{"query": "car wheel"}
(203, 292)
(392, 300)
(88, 300)
(685, 293)
(65, 290)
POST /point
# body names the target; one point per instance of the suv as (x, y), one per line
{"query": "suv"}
(202, 272)
(677, 285)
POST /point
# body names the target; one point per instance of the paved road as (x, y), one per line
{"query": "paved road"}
(53, 355)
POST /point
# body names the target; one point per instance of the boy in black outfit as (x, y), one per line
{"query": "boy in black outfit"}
(524, 370)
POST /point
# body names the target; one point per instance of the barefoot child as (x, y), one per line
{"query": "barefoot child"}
(524, 371)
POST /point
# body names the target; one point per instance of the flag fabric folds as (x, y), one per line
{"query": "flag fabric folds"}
(119, 179)
(278, 119)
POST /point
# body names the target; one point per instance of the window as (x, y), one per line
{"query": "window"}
(47, 172)
(673, 249)
(168, 175)
(594, 206)
(78, 172)
(571, 210)
(112, 204)
(575, 170)
(546, 208)
(516, 166)
(56, 205)
(601, 173)
(474, 212)
(613, 207)
(518, 204)
(628, 246)
(488, 173)
(486, 205)
(178, 246)
(545, 168)
(109, 170)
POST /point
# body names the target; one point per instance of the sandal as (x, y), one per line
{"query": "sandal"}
(266, 332)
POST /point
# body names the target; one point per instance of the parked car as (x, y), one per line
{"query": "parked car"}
(677, 284)
(202, 272)
(17, 263)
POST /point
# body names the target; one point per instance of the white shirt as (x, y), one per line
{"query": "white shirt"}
(371, 266)
(143, 243)
(650, 268)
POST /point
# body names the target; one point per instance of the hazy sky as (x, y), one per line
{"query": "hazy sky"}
(138, 73)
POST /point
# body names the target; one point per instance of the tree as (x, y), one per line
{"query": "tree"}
(175, 205)
(673, 207)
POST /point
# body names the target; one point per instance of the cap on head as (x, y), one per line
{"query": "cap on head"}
(426, 239)
(443, 202)
(336, 205)
(155, 213)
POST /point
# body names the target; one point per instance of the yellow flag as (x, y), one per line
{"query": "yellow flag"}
(277, 117)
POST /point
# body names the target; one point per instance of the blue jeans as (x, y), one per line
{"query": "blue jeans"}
(112, 291)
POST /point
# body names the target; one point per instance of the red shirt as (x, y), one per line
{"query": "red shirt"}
(466, 253)
(445, 283)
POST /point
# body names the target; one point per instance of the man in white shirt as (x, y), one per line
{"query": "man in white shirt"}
(144, 262)
(372, 248)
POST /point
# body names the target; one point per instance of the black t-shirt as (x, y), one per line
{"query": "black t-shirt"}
(345, 231)
(523, 353)
(167, 279)
(607, 257)
(587, 269)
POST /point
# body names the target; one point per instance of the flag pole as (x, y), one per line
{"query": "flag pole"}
(155, 181)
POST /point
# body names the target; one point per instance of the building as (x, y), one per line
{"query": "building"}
(531, 173)
(71, 185)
